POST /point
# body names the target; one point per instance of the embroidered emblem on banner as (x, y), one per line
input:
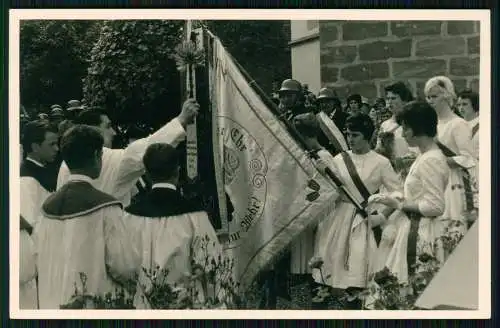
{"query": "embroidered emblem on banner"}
(245, 168)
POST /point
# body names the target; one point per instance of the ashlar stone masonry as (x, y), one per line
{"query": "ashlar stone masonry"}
(364, 56)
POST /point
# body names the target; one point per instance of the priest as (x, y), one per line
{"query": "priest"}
(122, 168)
(82, 241)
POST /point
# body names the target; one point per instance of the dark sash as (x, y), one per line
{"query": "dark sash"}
(26, 226)
(356, 179)
(469, 201)
(411, 252)
(475, 129)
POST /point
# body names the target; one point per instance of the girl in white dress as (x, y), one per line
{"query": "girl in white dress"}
(345, 240)
(468, 106)
(414, 227)
(454, 134)
(397, 95)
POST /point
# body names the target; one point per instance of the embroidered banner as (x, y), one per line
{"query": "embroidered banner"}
(270, 187)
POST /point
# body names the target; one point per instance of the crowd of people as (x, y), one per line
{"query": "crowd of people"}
(108, 212)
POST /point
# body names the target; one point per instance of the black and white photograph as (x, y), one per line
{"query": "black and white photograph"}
(322, 165)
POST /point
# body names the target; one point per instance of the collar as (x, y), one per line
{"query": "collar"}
(164, 185)
(80, 177)
(35, 162)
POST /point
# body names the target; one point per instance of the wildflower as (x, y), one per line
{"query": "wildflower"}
(315, 262)
(318, 299)
(383, 277)
(424, 258)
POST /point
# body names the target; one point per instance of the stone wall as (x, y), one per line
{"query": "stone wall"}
(364, 56)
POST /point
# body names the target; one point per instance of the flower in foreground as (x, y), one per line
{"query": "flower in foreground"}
(316, 262)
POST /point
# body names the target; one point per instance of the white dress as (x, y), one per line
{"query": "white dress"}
(475, 149)
(343, 240)
(455, 134)
(475, 137)
(425, 184)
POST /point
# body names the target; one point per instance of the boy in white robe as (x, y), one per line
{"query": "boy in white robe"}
(167, 229)
(121, 168)
(82, 230)
(37, 181)
(28, 297)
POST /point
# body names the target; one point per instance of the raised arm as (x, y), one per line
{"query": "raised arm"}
(130, 168)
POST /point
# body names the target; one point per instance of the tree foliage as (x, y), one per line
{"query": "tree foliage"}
(261, 47)
(53, 60)
(131, 71)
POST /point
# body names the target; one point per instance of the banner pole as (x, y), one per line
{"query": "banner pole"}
(191, 135)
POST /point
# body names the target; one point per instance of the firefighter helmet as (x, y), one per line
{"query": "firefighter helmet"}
(57, 112)
(291, 85)
(326, 93)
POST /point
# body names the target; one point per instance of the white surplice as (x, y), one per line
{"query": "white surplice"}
(28, 298)
(121, 168)
(95, 243)
(425, 185)
(344, 235)
(169, 243)
(32, 196)
(456, 135)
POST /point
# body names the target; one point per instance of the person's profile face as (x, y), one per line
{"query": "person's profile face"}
(288, 98)
(356, 140)
(47, 150)
(326, 105)
(354, 106)
(435, 97)
(394, 102)
(408, 135)
(465, 108)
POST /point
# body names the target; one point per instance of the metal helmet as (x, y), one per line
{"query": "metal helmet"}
(57, 112)
(291, 85)
(55, 106)
(43, 116)
(326, 93)
(74, 103)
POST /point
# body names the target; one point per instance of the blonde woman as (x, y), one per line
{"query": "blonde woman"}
(454, 138)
